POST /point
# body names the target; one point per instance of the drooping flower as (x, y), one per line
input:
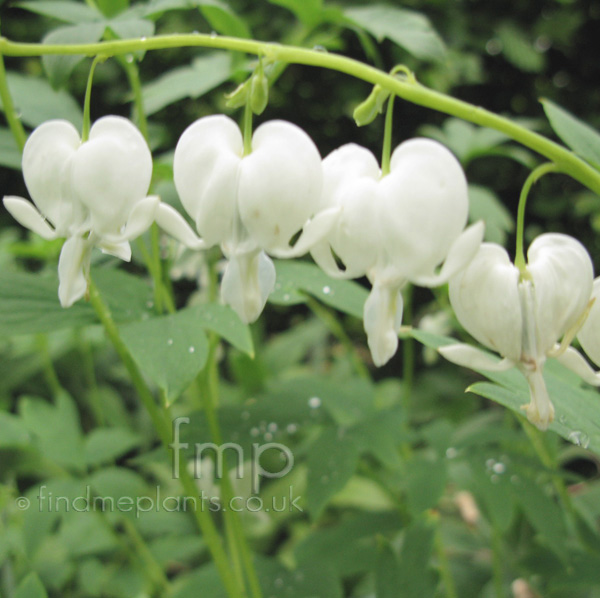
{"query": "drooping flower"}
(93, 193)
(523, 315)
(395, 228)
(251, 205)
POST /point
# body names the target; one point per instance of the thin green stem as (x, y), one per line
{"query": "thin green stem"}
(248, 127)
(12, 118)
(406, 89)
(85, 133)
(49, 371)
(387, 137)
(133, 76)
(535, 175)
(497, 560)
(444, 565)
(336, 328)
(162, 425)
(89, 374)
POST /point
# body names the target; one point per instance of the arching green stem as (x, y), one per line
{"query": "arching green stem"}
(387, 137)
(85, 133)
(535, 175)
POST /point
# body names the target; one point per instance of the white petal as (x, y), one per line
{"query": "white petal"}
(280, 184)
(540, 410)
(589, 335)
(141, 217)
(312, 233)
(46, 159)
(206, 169)
(485, 298)
(173, 223)
(574, 360)
(382, 318)
(111, 172)
(25, 214)
(473, 358)
(73, 265)
(425, 208)
(321, 253)
(247, 282)
(462, 251)
(562, 274)
(121, 249)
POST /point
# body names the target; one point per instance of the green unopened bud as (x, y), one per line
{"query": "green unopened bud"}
(239, 96)
(259, 92)
(366, 112)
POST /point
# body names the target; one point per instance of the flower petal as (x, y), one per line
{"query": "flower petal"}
(73, 264)
(473, 358)
(462, 251)
(280, 184)
(206, 169)
(46, 158)
(382, 319)
(173, 223)
(141, 217)
(589, 335)
(321, 253)
(312, 232)
(111, 172)
(574, 360)
(562, 274)
(25, 214)
(247, 282)
(540, 410)
(120, 249)
(485, 298)
(425, 206)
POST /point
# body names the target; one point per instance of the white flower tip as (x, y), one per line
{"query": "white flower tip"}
(473, 358)
(25, 213)
(540, 410)
(540, 419)
(383, 347)
(173, 223)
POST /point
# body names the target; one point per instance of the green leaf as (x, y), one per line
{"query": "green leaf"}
(127, 27)
(415, 577)
(170, 350)
(387, 579)
(31, 587)
(332, 460)
(579, 136)
(56, 429)
(10, 154)
(577, 409)
(13, 432)
(36, 101)
(59, 67)
(307, 11)
(485, 205)
(204, 74)
(104, 445)
(410, 30)
(115, 483)
(68, 12)
(29, 302)
(519, 50)
(111, 8)
(425, 481)
(293, 277)
(224, 21)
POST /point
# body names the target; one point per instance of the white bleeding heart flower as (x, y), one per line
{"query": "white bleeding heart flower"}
(93, 193)
(251, 205)
(395, 228)
(524, 315)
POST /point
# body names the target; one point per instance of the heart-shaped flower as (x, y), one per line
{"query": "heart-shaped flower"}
(93, 193)
(395, 228)
(250, 204)
(523, 315)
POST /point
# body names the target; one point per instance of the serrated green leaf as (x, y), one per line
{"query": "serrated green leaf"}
(332, 460)
(293, 277)
(36, 101)
(62, 10)
(31, 587)
(410, 30)
(170, 350)
(59, 67)
(115, 483)
(10, 154)
(203, 75)
(580, 137)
